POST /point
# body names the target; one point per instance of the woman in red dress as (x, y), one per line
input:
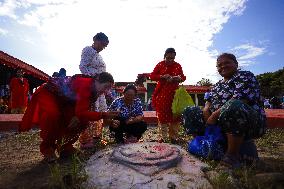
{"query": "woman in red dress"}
(63, 111)
(168, 74)
(19, 87)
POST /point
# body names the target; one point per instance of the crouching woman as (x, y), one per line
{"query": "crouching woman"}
(130, 119)
(62, 112)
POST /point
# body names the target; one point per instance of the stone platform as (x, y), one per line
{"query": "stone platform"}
(145, 165)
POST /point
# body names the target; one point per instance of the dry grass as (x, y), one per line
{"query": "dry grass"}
(21, 163)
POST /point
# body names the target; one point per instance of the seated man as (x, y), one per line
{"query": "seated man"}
(130, 119)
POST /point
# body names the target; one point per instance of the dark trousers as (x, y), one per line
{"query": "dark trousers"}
(134, 129)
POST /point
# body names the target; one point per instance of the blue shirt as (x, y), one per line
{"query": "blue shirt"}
(126, 112)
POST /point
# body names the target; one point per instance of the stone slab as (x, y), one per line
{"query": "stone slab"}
(104, 173)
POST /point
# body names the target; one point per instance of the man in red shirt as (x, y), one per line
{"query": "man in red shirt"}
(19, 90)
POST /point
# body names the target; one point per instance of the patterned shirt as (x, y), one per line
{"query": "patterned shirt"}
(127, 111)
(91, 62)
(243, 86)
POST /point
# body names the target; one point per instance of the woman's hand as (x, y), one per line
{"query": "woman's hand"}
(206, 111)
(166, 77)
(130, 120)
(115, 123)
(134, 119)
(111, 122)
(176, 79)
(110, 115)
(206, 114)
(213, 117)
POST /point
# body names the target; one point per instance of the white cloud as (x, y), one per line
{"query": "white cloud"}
(3, 32)
(7, 8)
(246, 53)
(139, 32)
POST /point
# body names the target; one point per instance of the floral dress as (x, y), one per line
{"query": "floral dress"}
(92, 64)
(241, 107)
(164, 92)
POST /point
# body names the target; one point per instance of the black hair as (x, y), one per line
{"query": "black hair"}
(62, 72)
(169, 50)
(228, 55)
(130, 86)
(100, 37)
(19, 70)
(55, 74)
(105, 77)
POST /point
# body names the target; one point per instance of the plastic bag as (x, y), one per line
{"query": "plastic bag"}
(181, 100)
(209, 146)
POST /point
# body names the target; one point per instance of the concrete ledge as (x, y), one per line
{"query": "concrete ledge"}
(275, 119)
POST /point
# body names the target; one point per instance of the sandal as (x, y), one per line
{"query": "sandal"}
(230, 161)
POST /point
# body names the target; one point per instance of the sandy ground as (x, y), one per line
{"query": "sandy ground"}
(21, 164)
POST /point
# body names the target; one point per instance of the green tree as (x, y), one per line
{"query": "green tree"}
(272, 83)
(204, 82)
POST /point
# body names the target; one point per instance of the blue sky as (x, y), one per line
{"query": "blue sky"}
(50, 34)
(260, 25)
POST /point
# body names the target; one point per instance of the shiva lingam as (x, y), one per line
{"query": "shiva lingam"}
(147, 158)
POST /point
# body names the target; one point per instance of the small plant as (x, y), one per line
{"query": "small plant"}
(56, 177)
(222, 180)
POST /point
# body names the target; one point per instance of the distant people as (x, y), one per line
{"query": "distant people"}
(61, 117)
(55, 74)
(275, 102)
(19, 91)
(150, 105)
(282, 102)
(168, 74)
(130, 119)
(234, 105)
(62, 72)
(3, 106)
(92, 64)
(266, 104)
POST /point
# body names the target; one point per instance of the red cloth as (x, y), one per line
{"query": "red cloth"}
(164, 92)
(19, 92)
(53, 115)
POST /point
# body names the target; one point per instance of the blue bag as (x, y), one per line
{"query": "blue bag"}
(209, 146)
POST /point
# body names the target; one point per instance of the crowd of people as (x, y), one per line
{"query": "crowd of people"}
(74, 108)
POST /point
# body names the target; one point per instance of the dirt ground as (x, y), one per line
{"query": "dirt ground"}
(21, 164)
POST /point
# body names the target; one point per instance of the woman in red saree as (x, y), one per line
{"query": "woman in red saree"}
(168, 74)
(19, 88)
(62, 111)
